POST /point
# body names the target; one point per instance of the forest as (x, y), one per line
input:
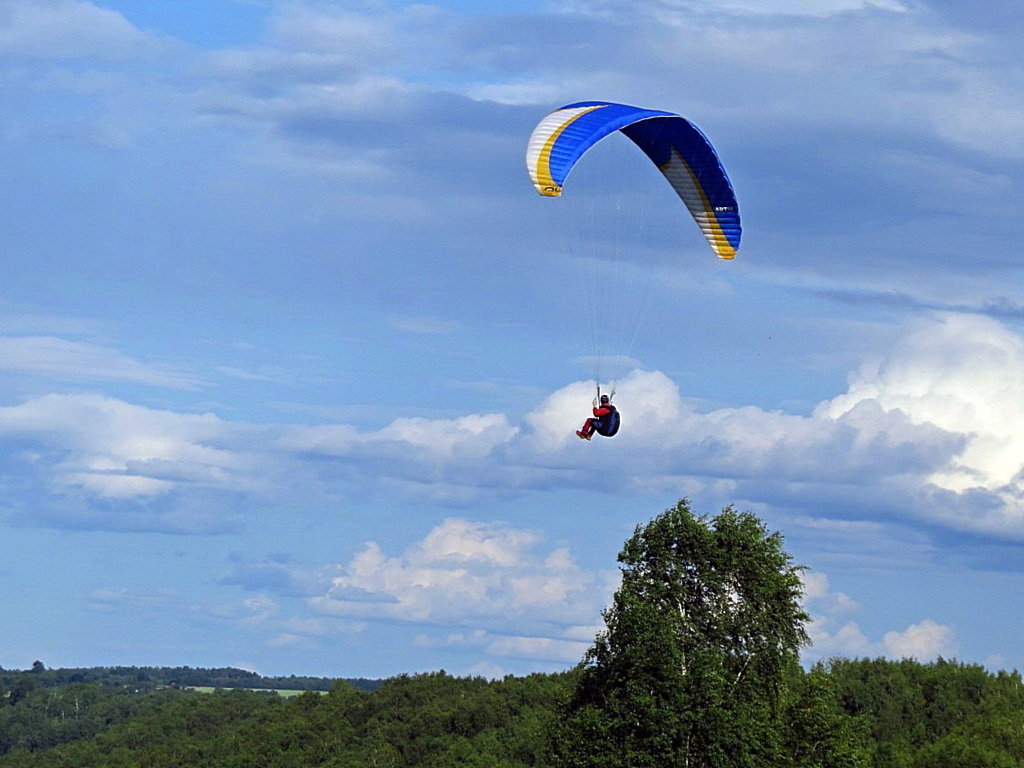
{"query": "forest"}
(869, 712)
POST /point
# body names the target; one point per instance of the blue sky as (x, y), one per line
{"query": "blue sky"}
(291, 353)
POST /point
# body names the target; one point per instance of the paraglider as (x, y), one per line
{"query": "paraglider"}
(605, 422)
(677, 148)
(680, 151)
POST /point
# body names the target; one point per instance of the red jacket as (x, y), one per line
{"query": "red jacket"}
(602, 410)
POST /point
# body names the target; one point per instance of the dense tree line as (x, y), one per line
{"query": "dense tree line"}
(843, 713)
(36, 718)
(940, 715)
(430, 720)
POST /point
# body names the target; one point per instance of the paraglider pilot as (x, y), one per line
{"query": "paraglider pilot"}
(604, 422)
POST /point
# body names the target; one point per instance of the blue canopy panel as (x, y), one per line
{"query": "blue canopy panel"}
(680, 151)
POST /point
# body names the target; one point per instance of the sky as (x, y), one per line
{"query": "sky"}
(292, 354)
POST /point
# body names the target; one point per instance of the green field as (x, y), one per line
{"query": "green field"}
(283, 692)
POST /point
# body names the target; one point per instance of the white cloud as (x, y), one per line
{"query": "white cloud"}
(487, 669)
(63, 29)
(114, 485)
(466, 437)
(650, 402)
(923, 641)
(470, 577)
(101, 449)
(832, 634)
(62, 359)
(549, 648)
(460, 540)
(844, 639)
(930, 430)
(563, 648)
(486, 576)
(965, 375)
(817, 590)
(108, 449)
(829, 632)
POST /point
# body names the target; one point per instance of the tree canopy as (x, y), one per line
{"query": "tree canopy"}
(690, 669)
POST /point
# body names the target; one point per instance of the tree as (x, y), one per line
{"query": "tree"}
(690, 668)
(22, 687)
(817, 733)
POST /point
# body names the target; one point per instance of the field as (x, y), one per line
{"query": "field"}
(283, 692)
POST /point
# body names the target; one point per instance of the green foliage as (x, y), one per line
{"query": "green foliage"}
(940, 715)
(36, 718)
(817, 733)
(843, 714)
(433, 721)
(691, 666)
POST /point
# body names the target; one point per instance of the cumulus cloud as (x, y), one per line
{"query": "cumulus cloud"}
(924, 641)
(650, 400)
(496, 589)
(548, 648)
(488, 577)
(104, 462)
(930, 430)
(562, 650)
(830, 630)
(833, 633)
(114, 449)
(502, 591)
(965, 375)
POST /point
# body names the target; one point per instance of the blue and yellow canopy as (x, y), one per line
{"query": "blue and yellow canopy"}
(680, 151)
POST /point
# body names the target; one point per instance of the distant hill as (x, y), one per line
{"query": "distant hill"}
(149, 678)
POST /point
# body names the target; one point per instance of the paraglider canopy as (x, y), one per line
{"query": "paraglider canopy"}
(677, 147)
